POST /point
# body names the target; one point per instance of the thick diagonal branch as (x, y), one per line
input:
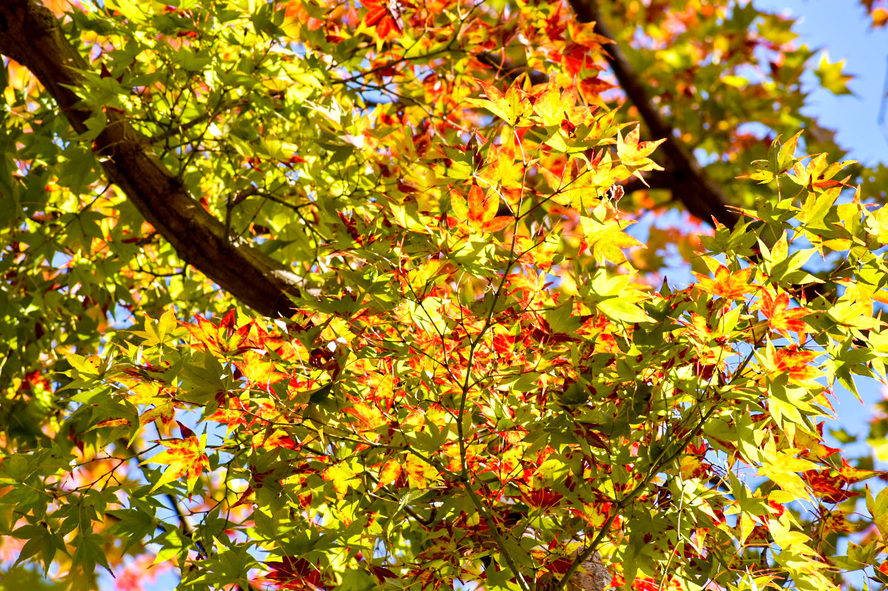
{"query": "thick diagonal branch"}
(31, 35)
(686, 179)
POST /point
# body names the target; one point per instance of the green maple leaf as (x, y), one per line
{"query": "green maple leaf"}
(831, 76)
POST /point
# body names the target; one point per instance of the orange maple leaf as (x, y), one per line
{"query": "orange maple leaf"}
(828, 487)
(261, 370)
(780, 317)
(389, 473)
(727, 284)
(479, 209)
(851, 474)
(233, 415)
(368, 417)
(795, 363)
(482, 205)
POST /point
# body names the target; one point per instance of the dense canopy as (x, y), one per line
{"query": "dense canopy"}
(409, 295)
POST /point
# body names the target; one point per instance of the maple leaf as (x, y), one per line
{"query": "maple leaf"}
(727, 284)
(343, 476)
(831, 76)
(882, 572)
(482, 204)
(294, 573)
(542, 498)
(791, 362)
(780, 317)
(585, 35)
(503, 165)
(634, 154)
(692, 467)
(185, 457)
(606, 239)
(511, 107)
(782, 467)
(384, 15)
(206, 332)
(479, 209)
(851, 474)
(389, 473)
(579, 187)
(878, 508)
(419, 472)
(369, 418)
(828, 487)
(259, 369)
(552, 105)
(112, 423)
(813, 445)
(163, 411)
(381, 573)
(232, 413)
(593, 86)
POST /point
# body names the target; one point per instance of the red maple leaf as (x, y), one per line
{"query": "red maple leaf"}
(780, 317)
(294, 573)
(828, 487)
(385, 15)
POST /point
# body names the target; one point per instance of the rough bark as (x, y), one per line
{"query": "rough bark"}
(30, 34)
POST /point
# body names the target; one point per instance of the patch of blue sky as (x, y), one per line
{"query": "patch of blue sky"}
(842, 30)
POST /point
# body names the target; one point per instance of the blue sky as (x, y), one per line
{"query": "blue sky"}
(841, 28)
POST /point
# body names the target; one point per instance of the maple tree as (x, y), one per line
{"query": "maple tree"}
(311, 295)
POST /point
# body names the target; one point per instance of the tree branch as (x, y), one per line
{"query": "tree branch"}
(31, 35)
(683, 176)
(688, 181)
(509, 69)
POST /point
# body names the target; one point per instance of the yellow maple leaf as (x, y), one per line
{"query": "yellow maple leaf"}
(633, 153)
(419, 472)
(731, 285)
(783, 467)
(184, 457)
(552, 104)
(606, 239)
(343, 477)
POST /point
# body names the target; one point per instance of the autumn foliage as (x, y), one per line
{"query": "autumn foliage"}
(493, 342)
